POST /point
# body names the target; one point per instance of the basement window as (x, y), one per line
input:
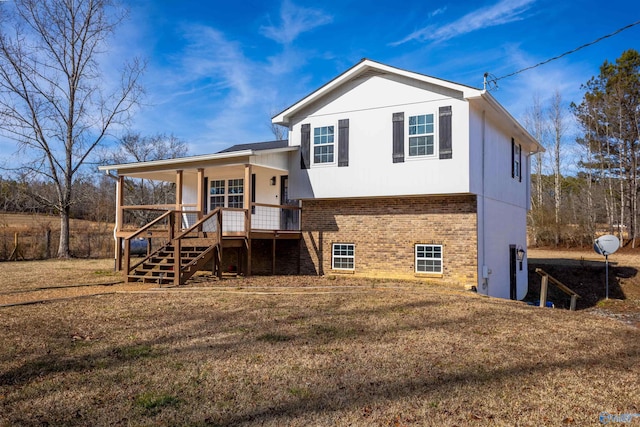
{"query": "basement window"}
(429, 259)
(343, 256)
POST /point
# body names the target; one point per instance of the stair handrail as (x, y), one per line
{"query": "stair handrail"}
(149, 225)
(200, 256)
(546, 277)
(216, 211)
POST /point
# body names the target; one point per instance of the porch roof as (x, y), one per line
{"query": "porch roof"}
(165, 169)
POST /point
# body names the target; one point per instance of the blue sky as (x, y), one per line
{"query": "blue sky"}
(217, 71)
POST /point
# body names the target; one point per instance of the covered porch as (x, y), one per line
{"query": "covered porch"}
(231, 214)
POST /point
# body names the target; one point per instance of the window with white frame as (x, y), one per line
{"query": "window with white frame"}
(421, 135)
(216, 194)
(343, 256)
(323, 144)
(428, 259)
(226, 193)
(235, 189)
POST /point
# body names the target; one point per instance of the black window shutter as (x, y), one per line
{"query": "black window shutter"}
(398, 137)
(445, 133)
(343, 142)
(513, 155)
(205, 196)
(520, 163)
(305, 146)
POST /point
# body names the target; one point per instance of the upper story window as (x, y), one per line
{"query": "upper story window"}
(323, 144)
(421, 135)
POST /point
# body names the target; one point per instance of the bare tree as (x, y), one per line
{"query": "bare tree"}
(535, 121)
(557, 119)
(134, 147)
(53, 100)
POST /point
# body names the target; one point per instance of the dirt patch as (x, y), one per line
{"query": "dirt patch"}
(585, 273)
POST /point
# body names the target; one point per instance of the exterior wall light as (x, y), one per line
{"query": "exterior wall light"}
(520, 255)
(273, 180)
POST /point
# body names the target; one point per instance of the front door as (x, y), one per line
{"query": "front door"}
(513, 288)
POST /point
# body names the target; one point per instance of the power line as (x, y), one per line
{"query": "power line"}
(494, 81)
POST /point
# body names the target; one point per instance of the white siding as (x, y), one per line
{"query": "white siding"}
(505, 225)
(369, 105)
(502, 206)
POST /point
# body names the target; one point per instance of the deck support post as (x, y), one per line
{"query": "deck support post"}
(200, 192)
(273, 257)
(119, 221)
(247, 208)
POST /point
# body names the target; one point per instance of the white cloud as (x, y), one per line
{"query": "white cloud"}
(437, 12)
(500, 13)
(295, 20)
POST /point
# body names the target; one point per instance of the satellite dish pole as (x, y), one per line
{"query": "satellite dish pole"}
(606, 245)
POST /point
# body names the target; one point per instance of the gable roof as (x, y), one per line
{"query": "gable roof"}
(369, 68)
(256, 146)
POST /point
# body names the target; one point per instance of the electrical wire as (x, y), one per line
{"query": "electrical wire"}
(494, 81)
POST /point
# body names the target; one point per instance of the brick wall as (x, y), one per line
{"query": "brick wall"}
(385, 232)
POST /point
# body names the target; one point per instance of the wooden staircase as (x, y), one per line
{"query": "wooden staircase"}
(185, 253)
(159, 267)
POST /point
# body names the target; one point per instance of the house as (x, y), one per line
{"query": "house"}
(386, 173)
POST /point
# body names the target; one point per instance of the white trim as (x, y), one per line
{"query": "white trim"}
(441, 259)
(407, 147)
(172, 163)
(352, 257)
(361, 69)
(334, 144)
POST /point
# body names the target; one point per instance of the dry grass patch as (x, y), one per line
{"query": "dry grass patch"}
(392, 355)
(31, 275)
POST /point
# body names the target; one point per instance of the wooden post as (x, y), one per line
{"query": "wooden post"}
(247, 208)
(127, 259)
(574, 299)
(119, 220)
(543, 291)
(176, 262)
(200, 198)
(179, 198)
(273, 257)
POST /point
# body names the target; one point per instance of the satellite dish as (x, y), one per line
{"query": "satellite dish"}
(606, 245)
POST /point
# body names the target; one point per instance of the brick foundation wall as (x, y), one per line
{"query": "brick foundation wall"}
(385, 232)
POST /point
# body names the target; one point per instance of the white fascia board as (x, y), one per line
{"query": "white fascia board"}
(363, 66)
(172, 164)
(533, 146)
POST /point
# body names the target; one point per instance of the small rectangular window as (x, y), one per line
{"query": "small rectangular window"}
(323, 144)
(421, 135)
(428, 259)
(343, 256)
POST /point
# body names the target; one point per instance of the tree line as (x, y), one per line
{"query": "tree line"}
(601, 196)
(61, 109)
